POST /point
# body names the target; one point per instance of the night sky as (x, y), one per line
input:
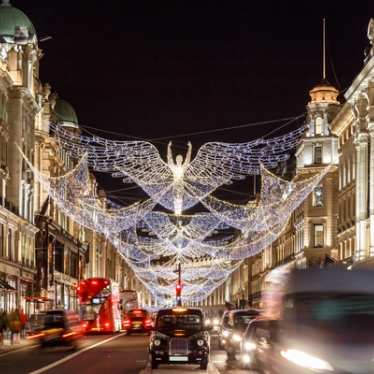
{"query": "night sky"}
(159, 68)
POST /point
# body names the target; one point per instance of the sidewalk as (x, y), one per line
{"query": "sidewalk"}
(6, 347)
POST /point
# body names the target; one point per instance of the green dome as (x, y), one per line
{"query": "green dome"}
(10, 18)
(65, 113)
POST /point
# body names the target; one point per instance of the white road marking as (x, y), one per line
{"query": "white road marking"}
(18, 350)
(67, 358)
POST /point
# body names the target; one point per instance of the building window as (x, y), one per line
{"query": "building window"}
(318, 154)
(318, 196)
(1, 240)
(318, 126)
(319, 234)
(10, 245)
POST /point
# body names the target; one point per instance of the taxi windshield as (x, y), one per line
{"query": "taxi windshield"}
(54, 320)
(169, 322)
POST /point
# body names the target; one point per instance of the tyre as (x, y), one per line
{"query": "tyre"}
(230, 354)
(204, 365)
(154, 364)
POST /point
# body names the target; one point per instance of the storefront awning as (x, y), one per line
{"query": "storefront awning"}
(4, 286)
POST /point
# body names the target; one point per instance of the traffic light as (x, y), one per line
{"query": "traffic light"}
(178, 289)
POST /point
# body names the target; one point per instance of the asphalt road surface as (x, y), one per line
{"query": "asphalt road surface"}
(104, 354)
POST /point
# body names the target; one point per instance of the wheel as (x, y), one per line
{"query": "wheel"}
(230, 354)
(204, 365)
(154, 364)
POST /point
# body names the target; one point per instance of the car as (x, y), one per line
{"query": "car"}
(325, 324)
(59, 328)
(258, 339)
(137, 320)
(35, 323)
(180, 337)
(234, 328)
(223, 332)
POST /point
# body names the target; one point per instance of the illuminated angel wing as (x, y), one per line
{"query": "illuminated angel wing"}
(219, 163)
(137, 161)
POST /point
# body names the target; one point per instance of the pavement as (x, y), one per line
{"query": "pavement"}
(104, 354)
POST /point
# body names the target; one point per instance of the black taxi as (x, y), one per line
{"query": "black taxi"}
(180, 337)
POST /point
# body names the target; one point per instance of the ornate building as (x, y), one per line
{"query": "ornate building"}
(43, 253)
(336, 223)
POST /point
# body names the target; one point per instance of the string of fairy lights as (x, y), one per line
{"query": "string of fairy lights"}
(208, 245)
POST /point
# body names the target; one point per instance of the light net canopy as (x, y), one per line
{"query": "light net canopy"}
(209, 244)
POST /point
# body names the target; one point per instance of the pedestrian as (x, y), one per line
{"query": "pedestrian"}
(23, 321)
(14, 324)
(3, 325)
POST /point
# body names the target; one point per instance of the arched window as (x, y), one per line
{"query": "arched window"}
(318, 126)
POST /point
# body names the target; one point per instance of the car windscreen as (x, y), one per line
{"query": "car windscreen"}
(242, 319)
(137, 315)
(54, 320)
(191, 322)
(337, 312)
(89, 312)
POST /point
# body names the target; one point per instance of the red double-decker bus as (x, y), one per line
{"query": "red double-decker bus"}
(99, 305)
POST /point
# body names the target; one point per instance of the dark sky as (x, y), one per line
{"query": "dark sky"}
(161, 68)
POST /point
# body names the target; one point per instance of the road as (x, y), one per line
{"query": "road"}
(103, 354)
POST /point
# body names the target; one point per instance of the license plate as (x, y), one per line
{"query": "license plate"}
(178, 358)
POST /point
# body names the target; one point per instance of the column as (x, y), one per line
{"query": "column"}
(370, 120)
(371, 189)
(361, 194)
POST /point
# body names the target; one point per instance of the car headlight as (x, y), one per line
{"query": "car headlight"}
(246, 358)
(200, 342)
(208, 322)
(225, 333)
(249, 346)
(157, 342)
(236, 338)
(215, 321)
(306, 360)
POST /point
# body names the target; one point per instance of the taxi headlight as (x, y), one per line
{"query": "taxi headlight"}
(306, 360)
(215, 321)
(207, 322)
(200, 342)
(236, 338)
(225, 333)
(157, 342)
(249, 346)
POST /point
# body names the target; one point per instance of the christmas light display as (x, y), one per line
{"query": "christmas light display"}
(169, 182)
(208, 245)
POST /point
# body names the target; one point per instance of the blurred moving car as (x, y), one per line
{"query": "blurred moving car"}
(256, 343)
(35, 323)
(234, 328)
(327, 317)
(180, 337)
(137, 320)
(60, 328)
(223, 332)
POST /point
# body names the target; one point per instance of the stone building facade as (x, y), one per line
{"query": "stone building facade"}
(335, 224)
(43, 253)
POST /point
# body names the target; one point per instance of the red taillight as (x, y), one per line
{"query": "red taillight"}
(148, 322)
(94, 282)
(68, 335)
(126, 322)
(106, 324)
